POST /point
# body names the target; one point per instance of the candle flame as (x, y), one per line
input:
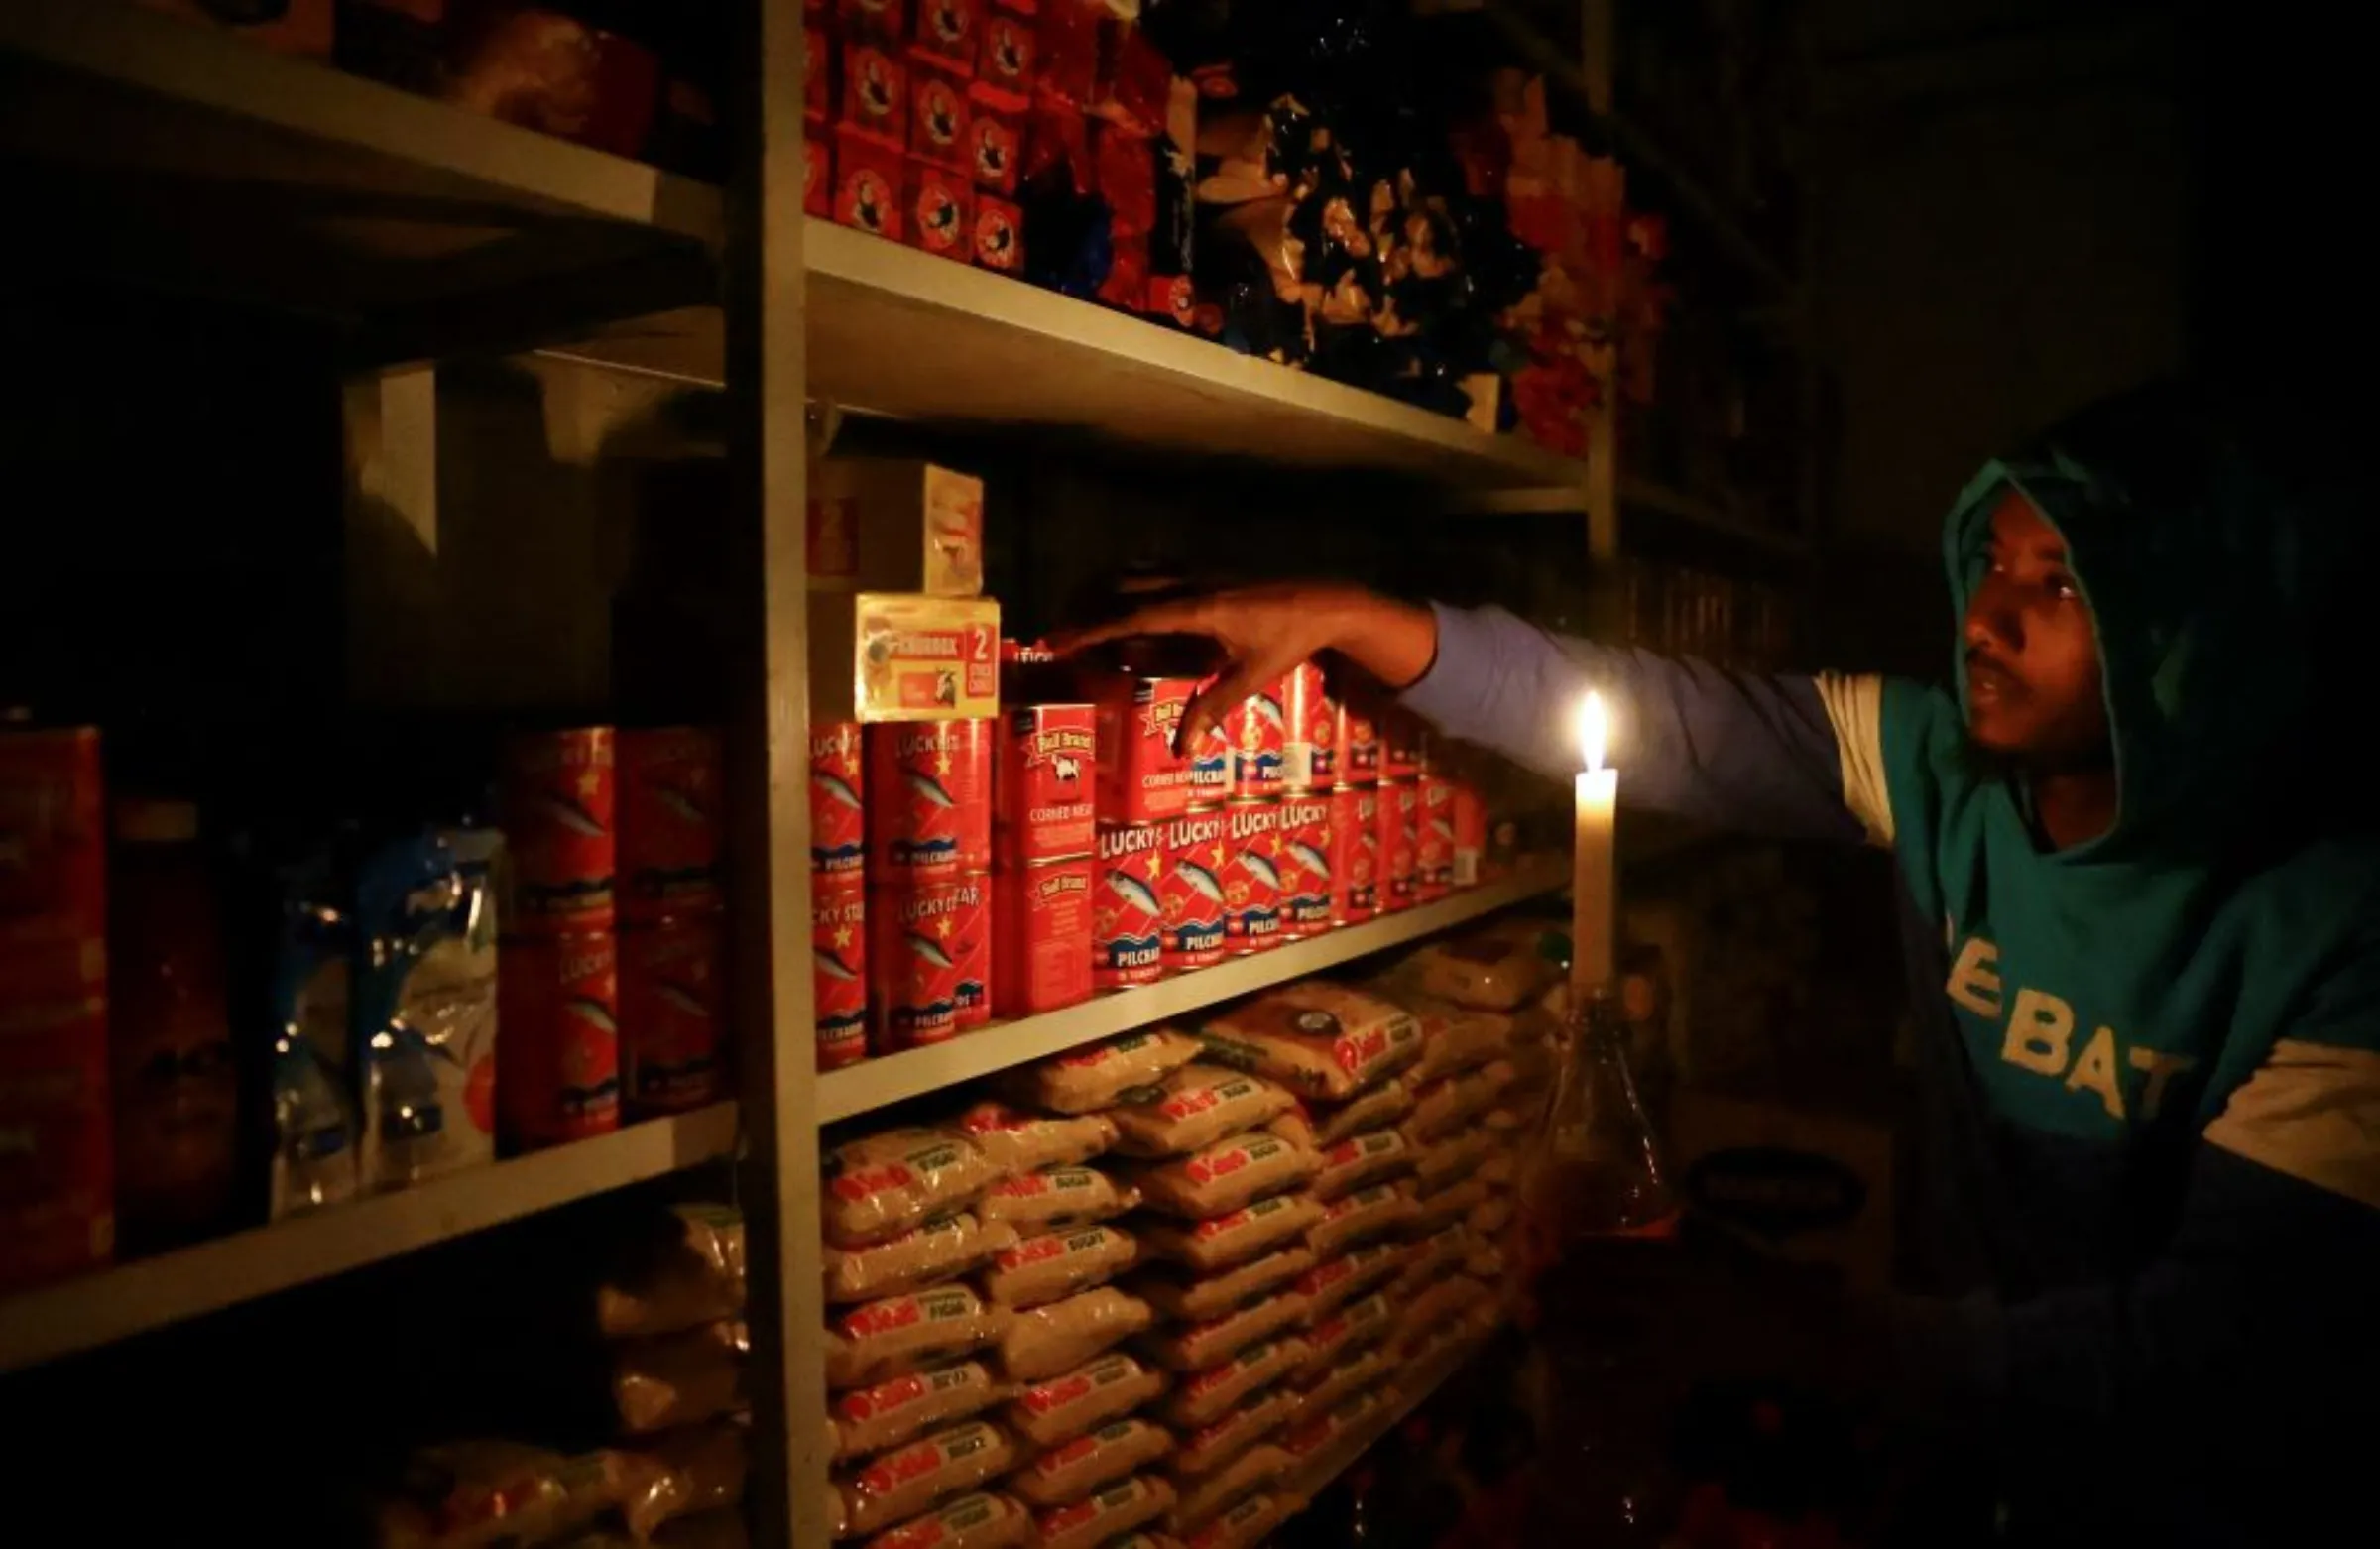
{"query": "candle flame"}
(1592, 729)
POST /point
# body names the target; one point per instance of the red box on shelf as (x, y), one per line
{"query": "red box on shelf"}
(1134, 78)
(1006, 58)
(1126, 284)
(1124, 172)
(875, 93)
(868, 188)
(940, 218)
(1170, 298)
(819, 175)
(938, 117)
(995, 143)
(886, 21)
(1057, 148)
(817, 74)
(947, 32)
(1067, 41)
(998, 235)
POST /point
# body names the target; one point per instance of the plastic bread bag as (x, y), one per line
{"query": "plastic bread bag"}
(1296, 1126)
(1057, 1199)
(977, 1522)
(1195, 1298)
(1456, 1039)
(1374, 1107)
(1065, 1475)
(1368, 1213)
(862, 1420)
(1019, 1141)
(1048, 1341)
(1448, 1303)
(1313, 1437)
(1195, 1107)
(1220, 1241)
(884, 1339)
(1227, 1435)
(877, 1188)
(1362, 1159)
(1366, 1369)
(1453, 1160)
(1244, 1526)
(495, 1494)
(1225, 1176)
(1052, 1412)
(1322, 1040)
(317, 1131)
(941, 1250)
(896, 1486)
(1433, 1213)
(1359, 1325)
(1099, 1076)
(1044, 1269)
(1110, 1514)
(687, 1471)
(1333, 1283)
(1444, 1106)
(1215, 1495)
(671, 1380)
(1211, 1395)
(1195, 1347)
(687, 1269)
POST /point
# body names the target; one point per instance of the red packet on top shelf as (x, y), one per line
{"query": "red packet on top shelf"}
(947, 32)
(941, 210)
(938, 116)
(868, 185)
(1006, 56)
(998, 235)
(1067, 41)
(876, 94)
(884, 21)
(995, 145)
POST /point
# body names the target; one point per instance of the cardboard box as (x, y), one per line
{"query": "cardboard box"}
(896, 657)
(1812, 1184)
(895, 524)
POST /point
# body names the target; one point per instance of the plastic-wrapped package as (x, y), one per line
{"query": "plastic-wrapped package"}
(1429, 1258)
(1493, 971)
(1057, 1199)
(1445, 1303)
(317, 1131)
(1366, 1369)
(1244, 1526)
(493, 1494)
(862, 1420)
(977, 1522)
(1195, 1107)
(1313, 1437)
(878, 1187)
(1333, 1283)
(1113, 1511)
(1444, 1163)
(1367, 1214)
(940, 1249)
(1489, 1217)
(671, 1380)
(1374, 1107)
(1321, 1039)
(1045, 1342)
(1225, 1176)
(1195, 1298)
(896, 1486)
(1443, 1106)
(1436, 1212)
(1215, 1495)
(688, 1271)
(1362, 1159)
(1099, 1076)
(1066, 1473)
(1019, 1141)
(1357, 1326)
(1054, 1411)
(883, 1338)
(1456, 1039)
(1296, 1126)
(698, 1468)
(1044, 1269)
(1195, 1347)
(1211, 1395)
(1231, 1433)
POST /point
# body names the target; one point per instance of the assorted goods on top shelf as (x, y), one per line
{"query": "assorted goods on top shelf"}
(1298, 1202)
(198, 1038)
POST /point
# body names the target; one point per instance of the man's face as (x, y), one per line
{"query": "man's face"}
(2032, 658)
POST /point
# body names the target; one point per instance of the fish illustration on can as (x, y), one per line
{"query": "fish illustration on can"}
(1192, 890)
(931, 959)
(1251, 877)
(929, 799)
(1305, 864)
(839, 973)
(1127, 918)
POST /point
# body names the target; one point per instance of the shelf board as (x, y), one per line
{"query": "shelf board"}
(155, 151)
(1647, 495)
(1413, 1390)
(878, 1083)
(153, 1294)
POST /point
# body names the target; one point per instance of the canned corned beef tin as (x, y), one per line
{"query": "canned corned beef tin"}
(1140, 779)
(1354, 854)
(1401, 812)
(557, 1064)
(1043, 780)
(1127, 920)
(1251, 877)
(1191, 890)
(929, 956)
(1256, 733)
(1359, 746)
(672, 782)
(838, 814)
(560, 799)
(1310, 745)
(1434, 839)
(1402, 739)
(839, 970)
(929, 799)
(1041, 923)
(673, 1013)
(1471, 834)
(1305, 854)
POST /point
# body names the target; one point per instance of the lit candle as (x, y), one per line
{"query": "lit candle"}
(1593, 873)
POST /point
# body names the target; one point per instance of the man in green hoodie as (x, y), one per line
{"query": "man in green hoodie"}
(2141, 933)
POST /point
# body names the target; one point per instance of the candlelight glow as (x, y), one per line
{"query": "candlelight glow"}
(1593, 727)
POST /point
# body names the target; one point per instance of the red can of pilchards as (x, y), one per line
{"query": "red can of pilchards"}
(671, 800)
(1251, 876)
(929, 801)
(1354, 854)
(1045, 773)
(838, 813)
(1399, 822)
(1191, 890)
(1403, 743)
(1255, 732)
(557, 1064)
(560, 804)
(673, 1013)
(1041, 923)
(1470, 835)
(930, 958)
(1359, 746)
(1305, 852)
(1140, 779)
(1128, 919)
(1310, 748)
(1434, 837)
(839, 970)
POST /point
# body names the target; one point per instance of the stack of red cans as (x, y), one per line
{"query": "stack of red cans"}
(1352, 760)
(929, 879)
(1044, 834)
(838, 894)
(1308, 823)
(1399, 763)
(1145, 786)
(672, 953)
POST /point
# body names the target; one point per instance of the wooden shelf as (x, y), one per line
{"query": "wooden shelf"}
(153, 1294)
(162, 153)
(876, 1083)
